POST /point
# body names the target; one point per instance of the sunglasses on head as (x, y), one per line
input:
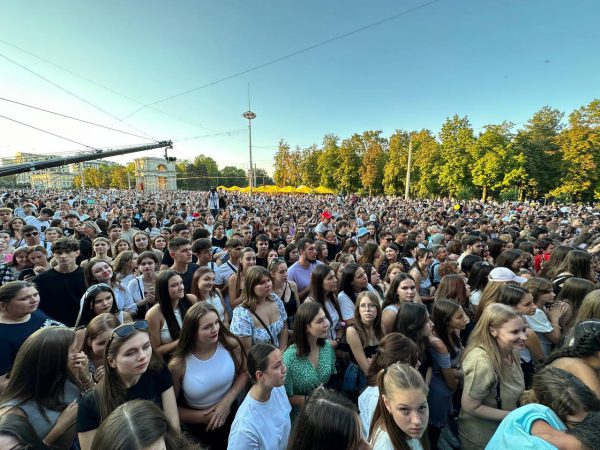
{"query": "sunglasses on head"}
(128, 329)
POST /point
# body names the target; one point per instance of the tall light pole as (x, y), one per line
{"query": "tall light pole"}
(250, 115)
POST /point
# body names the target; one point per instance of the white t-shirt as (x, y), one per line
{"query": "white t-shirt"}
(382, 441)
(367, 402)
(262, 425)
(346, 306)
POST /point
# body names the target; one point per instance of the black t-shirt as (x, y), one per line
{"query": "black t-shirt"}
(167, 259)
(150, 386)
(219, 242)
(187, 277)
(60, 294)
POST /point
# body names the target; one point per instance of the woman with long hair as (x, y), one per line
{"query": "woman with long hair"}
(420, 273)
(401, 417)
(354, 281)
(454, 287)
(10, 271)
(577, 264)
(153, 228)
(205, 290)
(391, 272)
(493, 376)
(291, 254)
(285, 289)
(140, 242)
(38, 262)
(143, 286)
(17, 433)
(390, 256)
(371, 254)
(449, 319)
(572, 294)
(374, 280)
(159, 243)
(263, 419)
(402, 290)
(393, 348)
(545, 248)
(125, 265)
(131, 371)
(261, 316)
(496, 247)
(98, 271)
(209, 371)
(323, 290)
(98, 299)
(477, 281)
(363, 338)
(15, 227)
(165, 318)
(236, 281)
(101, 250)
(414, 322)
(310, 361)
(589, 310)
(322, 252)
(97, 333)
(119, 246)
(511, 259)
(46, 379)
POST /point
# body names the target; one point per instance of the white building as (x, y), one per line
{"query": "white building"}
(155, 174)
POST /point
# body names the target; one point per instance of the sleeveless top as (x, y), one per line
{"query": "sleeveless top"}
(206, 382)
(291, 305)
(215, 301)
(165, 335)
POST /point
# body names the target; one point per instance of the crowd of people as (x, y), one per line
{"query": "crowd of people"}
(180, 320)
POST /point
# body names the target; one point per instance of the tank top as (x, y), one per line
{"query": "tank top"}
(165, 335)
(290, 306)
(215, 301)
(206, 382)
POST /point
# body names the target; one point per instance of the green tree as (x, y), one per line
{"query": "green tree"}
(309, 166)
(328, 161)
(372, 167)
(394, 173)
(262, 177)
(346, 174)
(457, 151)
(282, 163)
(425, 165)
(234, 176)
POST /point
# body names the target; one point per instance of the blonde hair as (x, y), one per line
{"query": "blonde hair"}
(590, 307)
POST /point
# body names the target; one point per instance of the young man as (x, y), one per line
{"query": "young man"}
(62, 287)
(301, 270)
(31, 236)
(275, 238)
(439, 254)
(324, 225)
(181, 251)
(127, 231)
(178, 230)
(262, 249)
(202, 249)
(72, 221)
(472, 245)
(224, 271)
(41, 222)
(400, 237)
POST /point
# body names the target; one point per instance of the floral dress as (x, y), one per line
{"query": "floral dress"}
(242, 324)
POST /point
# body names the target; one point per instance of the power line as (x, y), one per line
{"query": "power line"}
(289, 55)
(73, 118)
(222, 133)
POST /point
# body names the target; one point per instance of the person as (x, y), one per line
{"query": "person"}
(141, 243)
(323, 290)
(124, 267)
(38, 262)
(493, 379)
(420, 273)
(234, 248)
(577, 264)
(121, 245)
(62, 287)
(354, 281)
(19, 318)
(300, 271)
(449, 319)
(285, 289)
(142, 287)
(262, 421)
(208, 368)
(310, 361)
(17, 433)
(402, 290)
(50, 407)
(98, 299)
(582, 358)
(391, 272)
(402, 413)
(97, 271)
(374, 280)
(393, 348)
(291, 254)
(131, 371)
(414, 322)
(166, 316)
(138, 425)
(101, 250)
(213, 202)
(205, 290)
(96, 335)
(327, 421)
(511, 259)
(572, 293)
(180, 250)
(477, 281)
(546, 248)
(454, 287)
(236, 280)
(261, 316)
(363, 338)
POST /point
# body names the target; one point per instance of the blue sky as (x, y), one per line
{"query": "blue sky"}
(491, 60)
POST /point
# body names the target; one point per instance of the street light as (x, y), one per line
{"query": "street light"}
(250, 115)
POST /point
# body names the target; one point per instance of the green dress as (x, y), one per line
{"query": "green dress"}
(301, 377)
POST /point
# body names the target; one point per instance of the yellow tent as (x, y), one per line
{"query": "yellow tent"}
(232, 188)
(244, 189)
(323, 190)
(221, 187)
(304, 190)
(260, 189)
(288, 190)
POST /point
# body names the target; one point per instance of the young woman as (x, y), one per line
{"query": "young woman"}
(51, 407)
(15, 227)
(363, 338)
(582, 358)
(541, 259)
(420, 273)
(354, 281)
(237, 280)
(166, 316)
(374, 280)
(208, 368)
(159, 243)
(131, 371)
(310, 361)
(572, 293)
(371, 255)
(38, 262)
(323, 290)
(402, 290)
(322, 252)
(119, 246)
(273, 254)
(97, 333)
(390, 274)
(153, 228)
(11, 270)
(263, 419)
(449, 319)
(327, 421)
(98, 271)
(142, 287)
(453, 287)
(414, 322)
(141, 243)
(391, 256)
(556, 262)
(286, 290)
(511, 259)
(402, 414)
(51, 235)
(125, 265)
(393, 348)
(477, 281)
(98, 299)
(577, 264)
(139, 425)
(291, 254)
(558, 401)
(205, 290)
(493, 376)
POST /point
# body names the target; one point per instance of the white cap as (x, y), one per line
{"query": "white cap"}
(503, 274)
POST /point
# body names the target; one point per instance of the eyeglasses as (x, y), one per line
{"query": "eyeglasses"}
(367, 306)
(128, 329)
(33, 233)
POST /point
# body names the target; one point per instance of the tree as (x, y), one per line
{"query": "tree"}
(394, 173)
(372, 167)
(328, 161)
(234, 176)
(346, 174)
(457, 148)
(309, 167)
(425, 164)
(262, 177)
(282, 159)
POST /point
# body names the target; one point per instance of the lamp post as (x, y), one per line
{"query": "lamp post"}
(250, 115)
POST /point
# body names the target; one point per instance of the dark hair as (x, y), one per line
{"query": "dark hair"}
(409, 246)
(478, 277)
(441, 315)
(495, 247)
(410, 320)
(9, 291)
(512, 294)
(347, 279)
(304, 316)
(302, 243)
(508, 257)
(468, 262)
(201, 244)
(174, 244)
(164, 300)
(588, 430)
(86, 312)
(327, 421)
(393, 348)
(65, 245)
(391, 295)
(149, 254)
(587, 342)
(20, 428)
(318, 275)
(556, 262)
(258, 359)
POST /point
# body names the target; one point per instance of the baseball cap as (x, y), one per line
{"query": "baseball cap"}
(503, 274)
(326, 215)
(361, 232)
(437, 238)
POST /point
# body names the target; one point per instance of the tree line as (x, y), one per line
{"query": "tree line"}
(546, 157)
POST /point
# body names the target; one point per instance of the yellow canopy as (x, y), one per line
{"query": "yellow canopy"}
(232, 188)
(244, 189)
(304, 190)
(222, 187)
(288, 189)
(323, 190)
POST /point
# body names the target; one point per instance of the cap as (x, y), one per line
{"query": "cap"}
(361, 232)
(503, 274)
(437, 238)
(326, 215)
(373, 218)
(195, 214)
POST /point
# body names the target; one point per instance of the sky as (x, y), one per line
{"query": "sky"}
(383, 65)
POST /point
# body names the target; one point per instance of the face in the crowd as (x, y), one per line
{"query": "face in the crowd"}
(101, 248)
(360, 281)
(65, 259)
(5, 216)
(17, 224)
(517, 264)
(51, 235)
(546, 297)
(409, 410)
(407, 291)
(218, 231)
(123, 245)
(511, 335)
(247, 234)
(115, 234)
(459, 320)
(98, 344)
(262, 247)
(371, 229)
(272, 255)
(526, 305)
(280, 275)
(24, 302)
(401, 237)
(276, 231)
(375, 277)
(330, 237)
(426, 259)
(32, 237)
(5, 236)
(160, 243)
(324, 253)
(294, 255)
(477, 248)
(101, 271)
(391, 254)
(126, 224)
(428, 327)
(176, 287)
(367, 310)
(274, 374)
(208, 328)
(206, 282)
(165, 233)
(37, 258)
(141, 241)
(318, 326)
(183, 233)
(248, 260)
(395, 271)
(264, 287)
(102, 302)
(330, 282)
(133, 356)
(183, 254)
(310, 253)
(442, 254)
(204, 257)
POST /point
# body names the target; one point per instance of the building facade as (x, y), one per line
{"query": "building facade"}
(155, 174)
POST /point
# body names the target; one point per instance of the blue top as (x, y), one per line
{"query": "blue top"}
(515, 430)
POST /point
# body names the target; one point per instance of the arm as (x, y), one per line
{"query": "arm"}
(226, 317)
(294, 288)
(169, 404)
(417, 277)
(283, 337)
(155, 321)
(234, 298)
(303, 293)
(534, 346)
(452, 376)
(476, 408)
(559, 439)
(387, 321)
(357, 349)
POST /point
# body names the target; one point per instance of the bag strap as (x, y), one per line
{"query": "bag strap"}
(265, 327)
(498, 397)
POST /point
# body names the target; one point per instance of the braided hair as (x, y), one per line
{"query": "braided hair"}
(587, 342)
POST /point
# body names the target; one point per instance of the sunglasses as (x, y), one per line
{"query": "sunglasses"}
(128, 329)
(33, 233)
